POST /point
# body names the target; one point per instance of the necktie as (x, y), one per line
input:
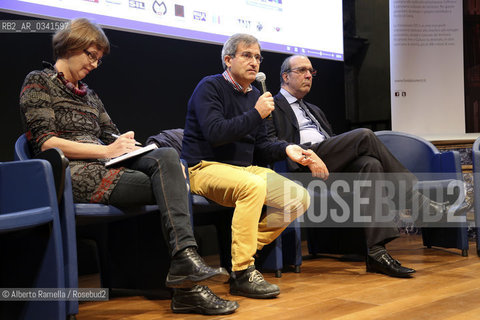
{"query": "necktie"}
(311, 116)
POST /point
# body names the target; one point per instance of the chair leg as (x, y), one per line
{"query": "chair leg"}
(464, 253)
(297, 269)
(278, 273)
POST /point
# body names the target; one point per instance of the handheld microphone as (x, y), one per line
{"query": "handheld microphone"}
(261, 77)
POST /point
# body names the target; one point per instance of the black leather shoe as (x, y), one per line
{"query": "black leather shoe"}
(200, 299)
(441, 210)
(384, 263)
(251, 284)
(427, 208)
(460, 209)
(188, 268)
(433, 207)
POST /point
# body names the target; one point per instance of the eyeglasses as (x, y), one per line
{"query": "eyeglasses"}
(303, 70)
(248, 56)
(92, 57)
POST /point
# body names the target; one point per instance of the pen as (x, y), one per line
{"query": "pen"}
(117, 136)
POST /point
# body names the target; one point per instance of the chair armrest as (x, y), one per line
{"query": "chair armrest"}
(476, 160)
(26, 185)
(59, 163)
(476, 180)
(12, 221)
(449, 164)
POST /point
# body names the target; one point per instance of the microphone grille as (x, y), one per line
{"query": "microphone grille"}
(260, 77)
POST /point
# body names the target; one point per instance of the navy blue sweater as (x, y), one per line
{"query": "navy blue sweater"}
(222, 125)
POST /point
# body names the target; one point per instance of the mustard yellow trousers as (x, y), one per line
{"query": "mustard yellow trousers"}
(247, 189)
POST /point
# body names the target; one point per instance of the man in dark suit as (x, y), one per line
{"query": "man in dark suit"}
(360, 151)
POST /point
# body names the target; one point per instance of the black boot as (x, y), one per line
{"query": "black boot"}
(188, 268)
(251, 284)
(200, 299)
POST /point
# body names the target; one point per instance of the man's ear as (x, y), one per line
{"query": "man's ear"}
(227, 59)
(285, 77)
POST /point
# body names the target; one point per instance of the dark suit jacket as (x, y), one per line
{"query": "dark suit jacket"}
(284, 125)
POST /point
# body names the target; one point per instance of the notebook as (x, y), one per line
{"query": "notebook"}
(132, 154)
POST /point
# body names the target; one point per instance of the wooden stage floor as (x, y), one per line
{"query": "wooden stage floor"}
(446, 286)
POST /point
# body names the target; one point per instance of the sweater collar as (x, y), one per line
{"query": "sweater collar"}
(227, 76)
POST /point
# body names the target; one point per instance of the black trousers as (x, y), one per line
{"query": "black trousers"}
(157, 178)
(361, 151)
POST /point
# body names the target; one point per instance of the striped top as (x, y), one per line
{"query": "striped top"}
(226, 74)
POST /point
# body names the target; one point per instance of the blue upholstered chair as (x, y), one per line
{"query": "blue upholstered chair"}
(476, 189)
(433, 169)
(423, 158)
(110, 228)
(30, 237)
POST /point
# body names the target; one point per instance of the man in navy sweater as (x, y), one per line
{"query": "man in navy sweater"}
(224, 134)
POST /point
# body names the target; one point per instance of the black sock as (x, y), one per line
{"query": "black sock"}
(376, 250)
(239, 273)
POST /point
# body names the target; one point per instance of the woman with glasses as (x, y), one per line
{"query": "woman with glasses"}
(60, 111)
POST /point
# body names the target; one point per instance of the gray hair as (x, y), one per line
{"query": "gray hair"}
(231, 45)
(286, 65)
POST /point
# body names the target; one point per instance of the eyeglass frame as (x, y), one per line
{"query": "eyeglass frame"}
(302, 70)
(92, 57)
(248, 56)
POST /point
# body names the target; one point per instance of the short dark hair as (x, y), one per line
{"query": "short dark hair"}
(79, 34)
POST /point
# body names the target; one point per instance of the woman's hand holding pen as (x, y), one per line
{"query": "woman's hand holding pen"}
(123, 144)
